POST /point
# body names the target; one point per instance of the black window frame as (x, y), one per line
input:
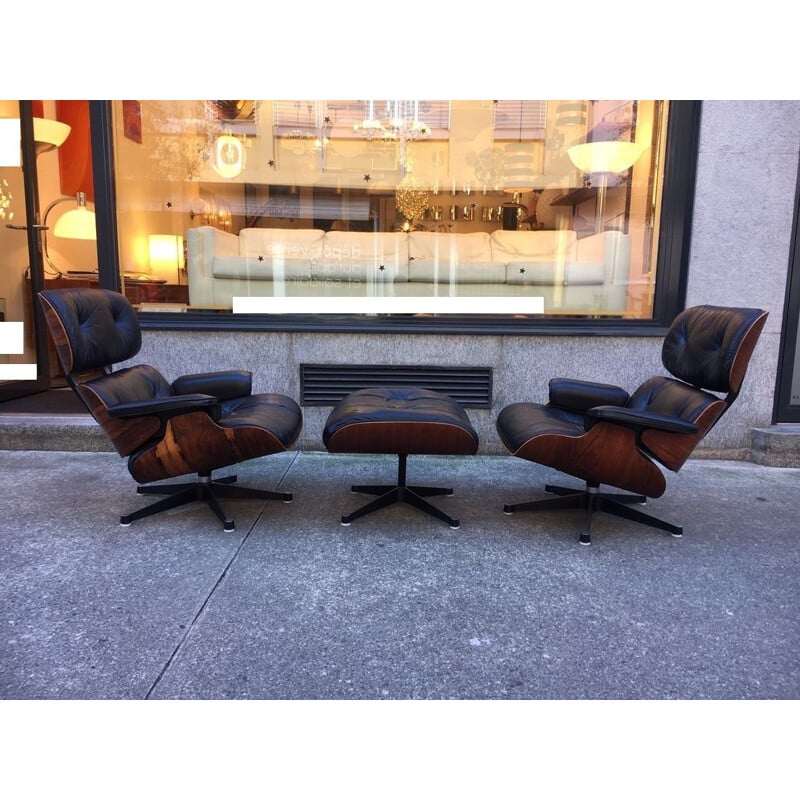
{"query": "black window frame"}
(784, 411)
(680, 168)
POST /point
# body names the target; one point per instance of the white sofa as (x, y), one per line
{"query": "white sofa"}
(570, 273)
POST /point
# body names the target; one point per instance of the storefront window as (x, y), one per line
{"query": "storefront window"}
(528, 207)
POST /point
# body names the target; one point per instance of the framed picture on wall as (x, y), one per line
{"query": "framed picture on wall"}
(132, 120)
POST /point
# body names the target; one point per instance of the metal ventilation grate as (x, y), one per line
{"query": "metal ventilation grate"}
(327, 384)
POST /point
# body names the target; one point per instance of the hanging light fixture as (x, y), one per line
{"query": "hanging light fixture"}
(228, 156)
(400, 122)
(571, 112)
(370, 127)
(518, 175)
(5, 201)
(411, 199)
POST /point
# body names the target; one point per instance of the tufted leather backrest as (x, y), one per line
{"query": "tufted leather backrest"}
(710, 346)
(94, 329)
(91, 328)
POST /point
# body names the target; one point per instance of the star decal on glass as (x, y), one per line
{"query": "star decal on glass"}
(261, 258)
(367, 178)
(381, 268)
(169, 204)
(522, 270)
(271, 163)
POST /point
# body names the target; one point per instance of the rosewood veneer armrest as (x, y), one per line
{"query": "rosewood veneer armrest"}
(576, 395)
(224, 385)
(637, 419)
(166, 407)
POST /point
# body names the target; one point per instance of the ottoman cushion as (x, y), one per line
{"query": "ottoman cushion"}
(399, 420)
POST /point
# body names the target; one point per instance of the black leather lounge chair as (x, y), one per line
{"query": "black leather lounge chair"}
(602, 435)
(196, 424)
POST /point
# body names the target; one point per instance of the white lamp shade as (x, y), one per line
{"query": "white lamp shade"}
(79, 223)
(49, 134)
(10, 152)
(605, 156)
(518, 175)
(166, 255)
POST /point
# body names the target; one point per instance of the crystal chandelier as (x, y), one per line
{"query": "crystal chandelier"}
(5, 201)
(411, 198)
(399, 122)
(371, 126)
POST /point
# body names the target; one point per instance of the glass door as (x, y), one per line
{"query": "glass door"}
(40, 248)
(23, 369)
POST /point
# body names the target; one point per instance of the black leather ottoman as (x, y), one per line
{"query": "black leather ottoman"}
(406, 421)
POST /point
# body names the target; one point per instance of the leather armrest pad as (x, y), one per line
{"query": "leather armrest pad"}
(166, 407)
(577, 395)
(633, 418)
(224, 385)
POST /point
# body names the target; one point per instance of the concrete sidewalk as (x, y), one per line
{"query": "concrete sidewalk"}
(397, 605)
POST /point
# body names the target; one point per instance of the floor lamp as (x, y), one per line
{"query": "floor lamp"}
(48, 134)
(604, 159)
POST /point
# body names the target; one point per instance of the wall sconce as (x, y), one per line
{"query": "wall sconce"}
(604, 158)
(77, 223)
(166, 256)
(228, 156)
(224, 219)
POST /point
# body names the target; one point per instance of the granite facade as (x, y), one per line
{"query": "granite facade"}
(739, 255)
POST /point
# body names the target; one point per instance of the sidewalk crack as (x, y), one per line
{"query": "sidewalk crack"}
(191, 625)
(217, 584)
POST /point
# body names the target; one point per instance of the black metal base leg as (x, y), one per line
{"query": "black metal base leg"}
(592, 500)
(204, 490)
(424, 491)
(620, 498)
(401, 493)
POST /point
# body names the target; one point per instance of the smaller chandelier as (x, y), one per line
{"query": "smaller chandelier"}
(5, 201)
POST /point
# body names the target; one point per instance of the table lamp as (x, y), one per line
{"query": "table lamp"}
(77, 223)
(166, 256)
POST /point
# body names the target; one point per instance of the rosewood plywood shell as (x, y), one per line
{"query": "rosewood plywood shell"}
(605, 454)
(672, 449)
(195, 443)
(126, 435)
(59, 336)
(745, 351)
(420, 438)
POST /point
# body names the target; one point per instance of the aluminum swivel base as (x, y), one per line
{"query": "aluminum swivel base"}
(591, 499)
(401, 493)
(205, 490)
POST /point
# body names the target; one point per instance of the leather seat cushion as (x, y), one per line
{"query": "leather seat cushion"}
(276, 413)
(519, 422)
